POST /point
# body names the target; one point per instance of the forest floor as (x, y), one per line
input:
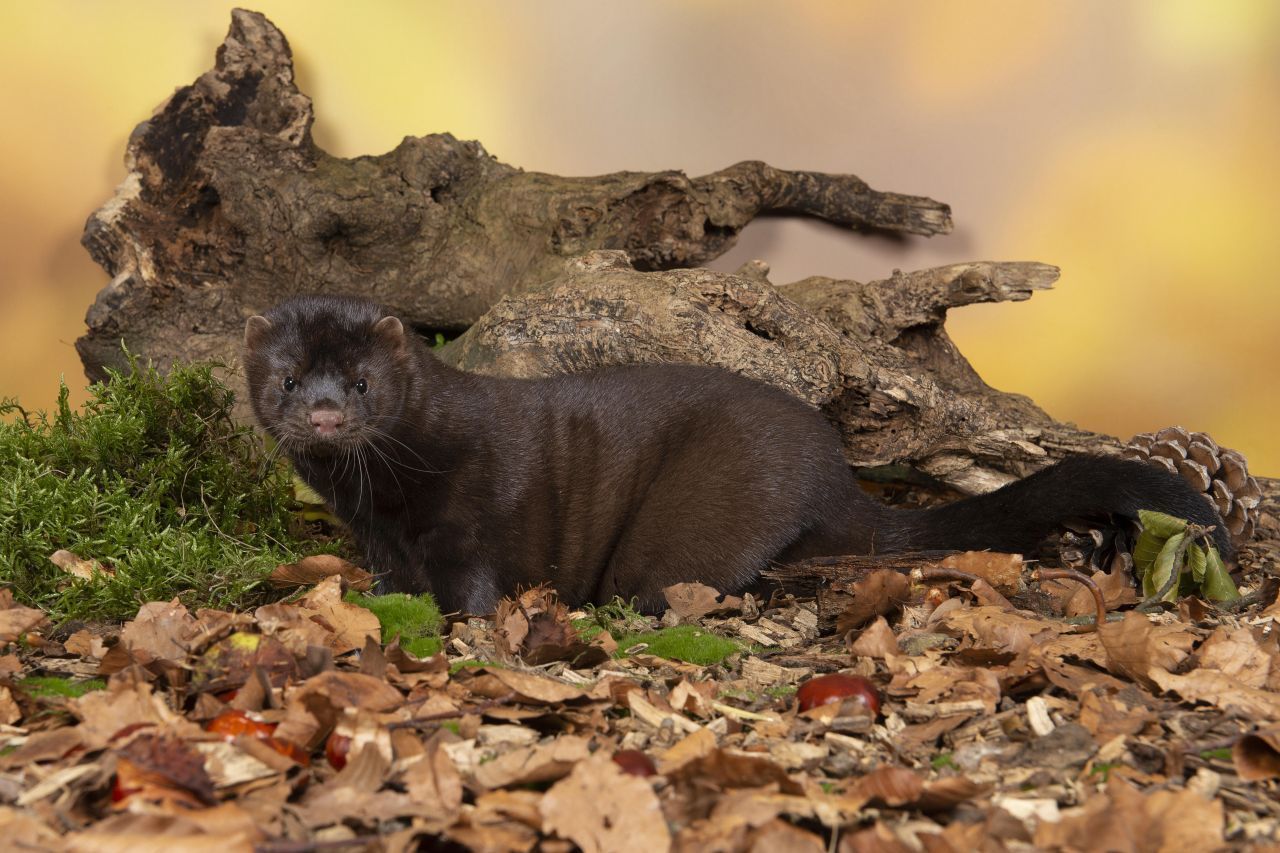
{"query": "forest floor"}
(973, 719)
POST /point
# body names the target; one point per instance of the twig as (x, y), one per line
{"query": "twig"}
(924, 574)
(1243, 601)
(1080, 578)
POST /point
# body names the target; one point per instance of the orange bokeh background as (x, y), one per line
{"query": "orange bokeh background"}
(1134, 144)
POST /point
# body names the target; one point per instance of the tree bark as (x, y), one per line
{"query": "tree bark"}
(891, 381)
(230, 206)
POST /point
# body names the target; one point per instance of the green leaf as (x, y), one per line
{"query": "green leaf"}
(1218, 585)
(1196, 561)
(1163, 569)
(1157, 527)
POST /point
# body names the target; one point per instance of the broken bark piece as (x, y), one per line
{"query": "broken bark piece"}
(601, 312)
(230, 206)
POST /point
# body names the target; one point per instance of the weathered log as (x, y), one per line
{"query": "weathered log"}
(889, 403)
(229, 206)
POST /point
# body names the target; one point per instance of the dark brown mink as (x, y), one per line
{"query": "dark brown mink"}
(614, 482)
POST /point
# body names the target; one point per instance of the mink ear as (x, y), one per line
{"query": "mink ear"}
(391, 330)
(255, 329)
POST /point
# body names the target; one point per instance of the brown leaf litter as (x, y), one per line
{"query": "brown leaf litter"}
(1002, 726)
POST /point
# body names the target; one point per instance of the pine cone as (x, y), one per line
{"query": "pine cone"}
(1221, 473)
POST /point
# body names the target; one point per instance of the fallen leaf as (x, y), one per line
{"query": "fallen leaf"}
(228, 663)
(879, 593)
(1222, 691)
(1135, 646)
(160, 632)
(316, 568)
(495, 683)
(692, 601)
(16, 620)
(434, 784)
(126, 704)
(1002, 571)
(350, 624)
(86, 644)
(542, 762)
(1122, 818)
(690, 747)
(77, 566)
(602, 809)
(1257, 755)
(21, 830)
(153, 767)
(1237, 652)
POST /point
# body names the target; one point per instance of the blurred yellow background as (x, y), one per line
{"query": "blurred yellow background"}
(1134, 144)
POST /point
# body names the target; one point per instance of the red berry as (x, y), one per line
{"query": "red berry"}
(837, 687)
(232, 724)
(634, 762)
(336, 749)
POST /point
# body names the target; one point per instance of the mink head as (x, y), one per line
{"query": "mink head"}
(326, 373)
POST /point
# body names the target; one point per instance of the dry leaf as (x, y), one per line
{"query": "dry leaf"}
(1237, 652)
(876, 641)
(162, 631)
(316, 568)
(692, 601)
(126, 705)
(1002, 571)
(1257, 755)
(86, 644)
(434, 784)
(1135, 646)
(542, 762)
(16, 620)
(603, 810)
(1124, 819)
(350, 625)
(879, 593)
(166, 768)
(79, 567)
(538, 689)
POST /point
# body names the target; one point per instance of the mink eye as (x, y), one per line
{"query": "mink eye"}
(289, 383)
(361, 386)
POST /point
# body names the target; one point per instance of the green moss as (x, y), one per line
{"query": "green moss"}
(40, 685)
(1216, 754)
(415, 619)
(459, 665)
(153, 480)
(942, 761)
(683, 642)
(781, 691)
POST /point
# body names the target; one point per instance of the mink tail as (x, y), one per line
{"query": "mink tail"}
(1017, 517)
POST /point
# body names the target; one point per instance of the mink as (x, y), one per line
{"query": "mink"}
(613, 482)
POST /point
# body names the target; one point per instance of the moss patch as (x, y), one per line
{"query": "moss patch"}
(683, 642)
(153, 480)
(52, 685)
(415, 619)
